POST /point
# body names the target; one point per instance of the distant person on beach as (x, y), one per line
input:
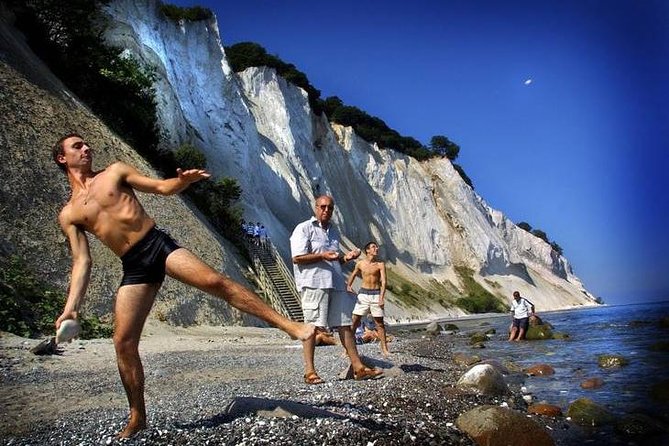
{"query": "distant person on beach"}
(521, 310)
(366, 332)
(264, 237)
(372, 292)
(314, 246)
(104, 204)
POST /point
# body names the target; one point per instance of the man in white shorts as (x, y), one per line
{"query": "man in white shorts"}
(371, 295)
(314, 246)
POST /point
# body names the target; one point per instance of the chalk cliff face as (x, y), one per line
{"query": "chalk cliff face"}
(256, 127)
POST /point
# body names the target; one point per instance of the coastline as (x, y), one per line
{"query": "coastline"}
(244, 385)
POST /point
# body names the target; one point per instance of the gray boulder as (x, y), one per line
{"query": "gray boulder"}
(483, 379)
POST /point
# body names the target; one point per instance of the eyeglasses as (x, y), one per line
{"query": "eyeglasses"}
(79, 144)
(323, 207)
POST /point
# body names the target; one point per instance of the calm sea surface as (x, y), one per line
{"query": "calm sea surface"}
(628, 330)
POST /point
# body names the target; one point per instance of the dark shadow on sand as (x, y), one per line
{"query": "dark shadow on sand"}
(418, 368)
(245, 406)
(270, 408)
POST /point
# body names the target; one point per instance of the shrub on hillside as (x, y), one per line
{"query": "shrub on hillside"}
(476, 299)
(189, 14)
(67, 36)
(189, 157)
(29, 307)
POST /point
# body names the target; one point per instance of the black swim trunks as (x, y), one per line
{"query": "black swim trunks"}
(145, 261)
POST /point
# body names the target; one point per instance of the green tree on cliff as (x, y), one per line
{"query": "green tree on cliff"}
(444, 146)
(67, 36)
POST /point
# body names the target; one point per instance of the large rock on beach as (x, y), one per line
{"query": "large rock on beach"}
(483, 379)
(611, 361)
(539, 333)
(640, 425)
(498, 426)
(512, 366)
(536, 320)
(586, 412)
(547, 410)
(433, 328)
(477, 337)
(540, 370)
(592, 383)
(501, 368)
(464, 359)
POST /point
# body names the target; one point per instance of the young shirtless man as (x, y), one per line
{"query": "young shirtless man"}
(371, 295)
(104, 204)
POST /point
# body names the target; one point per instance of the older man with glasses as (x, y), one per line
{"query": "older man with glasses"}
(317, 264)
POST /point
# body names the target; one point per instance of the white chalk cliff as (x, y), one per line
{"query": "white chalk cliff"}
(259, 129)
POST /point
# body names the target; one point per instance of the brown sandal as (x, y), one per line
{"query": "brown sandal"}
(367, 373)
(312, 378)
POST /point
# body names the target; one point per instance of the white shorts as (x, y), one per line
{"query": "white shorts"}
(327, 307)
(368, 302)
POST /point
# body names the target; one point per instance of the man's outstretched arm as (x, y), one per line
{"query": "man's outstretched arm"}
(167, 186)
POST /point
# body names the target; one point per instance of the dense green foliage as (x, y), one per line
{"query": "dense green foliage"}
(29, 307)
(248, 54)
(215, 198)
(67, 36)
(189, 157)
(371, 128)
(444, 146)
(189, 14)
(525, 226)
(476, 299)
(540, 234)
(407, 293)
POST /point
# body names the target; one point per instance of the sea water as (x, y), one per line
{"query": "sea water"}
(632, 331)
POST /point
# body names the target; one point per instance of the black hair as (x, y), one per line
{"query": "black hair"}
(58, 149)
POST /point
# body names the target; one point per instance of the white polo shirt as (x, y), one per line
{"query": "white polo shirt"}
(309, 237)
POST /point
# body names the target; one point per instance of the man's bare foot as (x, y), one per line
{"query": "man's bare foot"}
(131, 429)
(301, 331)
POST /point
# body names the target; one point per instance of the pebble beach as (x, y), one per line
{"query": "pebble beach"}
(243, 386)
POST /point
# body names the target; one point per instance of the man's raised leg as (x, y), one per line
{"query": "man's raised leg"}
(133, 303)
(187, 268)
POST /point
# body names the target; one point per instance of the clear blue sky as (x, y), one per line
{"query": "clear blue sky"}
(580, 151)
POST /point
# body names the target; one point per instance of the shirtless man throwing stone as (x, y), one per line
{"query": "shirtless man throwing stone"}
(104, 204)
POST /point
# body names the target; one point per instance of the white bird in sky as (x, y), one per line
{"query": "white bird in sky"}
(528, 81)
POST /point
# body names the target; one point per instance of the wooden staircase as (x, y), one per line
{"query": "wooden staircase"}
(275, 280)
